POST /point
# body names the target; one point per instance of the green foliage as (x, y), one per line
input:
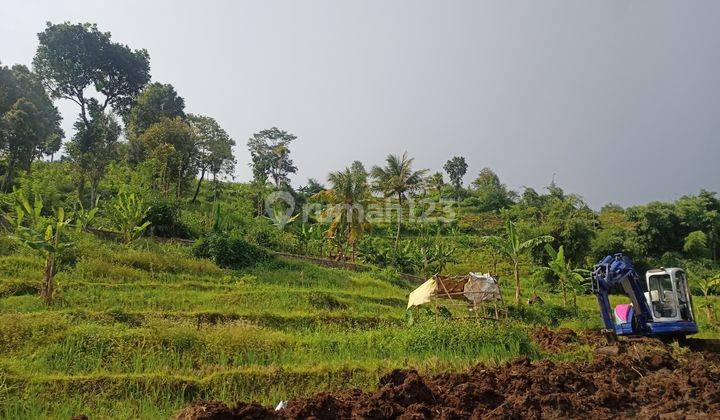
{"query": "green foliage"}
(434, 255)
(155, 102)
(165, 219)
(456, 169)
(467, 338)
(349, 192)
(84, 217)
(113, 70)
(489, 194)
(397, 179)
(696, 245)
(93, 146)
(128, 214)
(229, 251)
(214, 149)
(512, 247)
(170, 143)
(29, 123)
(270, 154)
(43, 235)
(404, 259)
(571, 280)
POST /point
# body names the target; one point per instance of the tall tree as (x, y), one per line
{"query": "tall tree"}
(214, 145)
(312, 187)
(435, 182)
(492, 194)
(456, 169)
(349, 190)
(29, 122)
(20, 136)
(270, 153)
(512, 248)
(170, 143)
(93, 146)
(397, 179)
(75, 59)
(155, 102)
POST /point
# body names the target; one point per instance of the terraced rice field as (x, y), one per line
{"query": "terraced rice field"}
(141, 332)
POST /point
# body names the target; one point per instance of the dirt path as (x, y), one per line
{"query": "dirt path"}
(637, 378)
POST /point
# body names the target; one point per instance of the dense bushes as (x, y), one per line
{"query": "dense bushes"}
(164, 218)
(229, 251)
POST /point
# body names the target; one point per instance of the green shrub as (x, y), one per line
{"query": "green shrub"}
(229, 251)
(164, 218)
(8, 246)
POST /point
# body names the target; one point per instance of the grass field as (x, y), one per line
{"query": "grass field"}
(139, 332)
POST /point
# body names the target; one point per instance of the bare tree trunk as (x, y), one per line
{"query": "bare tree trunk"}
(177, 194)
(81, 187)
(516, 270)
(93, 192)
(197, 189)
(8, 176)
(399, 220)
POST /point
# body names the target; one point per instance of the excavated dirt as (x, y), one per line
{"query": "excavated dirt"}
(635, 378)
(563, 338)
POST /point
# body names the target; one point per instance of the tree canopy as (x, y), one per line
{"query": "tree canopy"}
(29, 122)
(270, 154)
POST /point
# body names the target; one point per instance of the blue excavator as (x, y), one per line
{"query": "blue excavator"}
(662, 309)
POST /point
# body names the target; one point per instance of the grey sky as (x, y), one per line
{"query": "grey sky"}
(620, 98)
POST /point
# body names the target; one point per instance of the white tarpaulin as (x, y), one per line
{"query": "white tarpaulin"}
(422, 294)
(474, 288)
(481, 288)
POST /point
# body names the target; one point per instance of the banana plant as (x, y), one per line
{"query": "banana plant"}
(434, 256)
(570, 279)
(512, 248)
(44, 235)
(706, 285)
(128, 213)
(279, 218)
(83, 217)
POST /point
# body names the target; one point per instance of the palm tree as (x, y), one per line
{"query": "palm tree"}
(397, 179)
(570, 278)
(511, 247)
(349, 189)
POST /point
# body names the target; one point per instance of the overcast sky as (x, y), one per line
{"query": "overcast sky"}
(619, 99)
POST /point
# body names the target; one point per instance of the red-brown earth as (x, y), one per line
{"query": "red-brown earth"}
(634, 378)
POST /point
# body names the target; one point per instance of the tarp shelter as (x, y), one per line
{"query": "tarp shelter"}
(474, 288)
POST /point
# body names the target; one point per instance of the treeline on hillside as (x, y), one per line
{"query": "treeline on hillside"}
(137, 163)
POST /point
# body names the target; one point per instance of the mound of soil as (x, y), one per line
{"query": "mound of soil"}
(562, 338)
(641, 378)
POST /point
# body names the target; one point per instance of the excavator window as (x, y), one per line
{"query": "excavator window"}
(662, 297)
(683, 296)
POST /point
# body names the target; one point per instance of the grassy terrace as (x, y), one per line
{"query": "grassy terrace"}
(139, 332)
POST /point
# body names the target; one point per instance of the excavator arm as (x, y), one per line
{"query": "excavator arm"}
(618, 269)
